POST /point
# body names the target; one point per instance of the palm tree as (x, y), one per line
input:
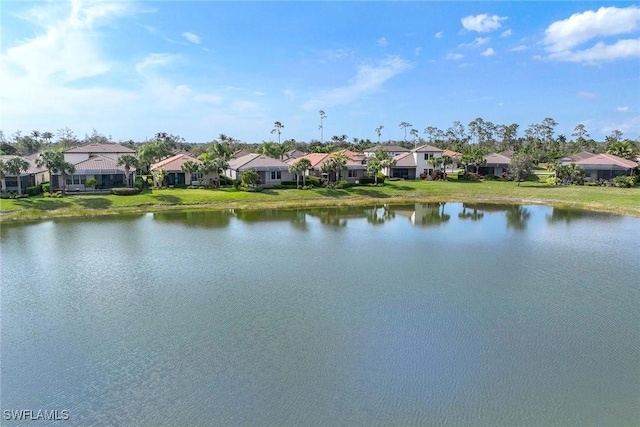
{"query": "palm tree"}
(379, 132)
(128, 161)
(3, 176)
(219, 165)
(414, 132)
(435, 162)
(189, 167)
(16, 166)
(64, 169)
(373, 167)
(277, 129)
(294, 170)
(446, 161)
(36, 135)
(50, 159)
(304, 165)
(340, 163)
(386, 161)
(207, 165)
(322, 117)
(405, 125)
(47, 136)
(622, 149)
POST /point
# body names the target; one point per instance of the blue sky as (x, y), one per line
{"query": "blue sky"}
(198, 69)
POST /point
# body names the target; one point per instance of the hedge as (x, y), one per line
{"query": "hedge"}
(125, 191)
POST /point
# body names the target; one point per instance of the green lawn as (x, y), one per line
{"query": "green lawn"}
(619, 200)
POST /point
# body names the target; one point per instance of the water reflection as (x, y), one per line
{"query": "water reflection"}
(470, 212)
(568, 216)
(517, 216)
(199, 218)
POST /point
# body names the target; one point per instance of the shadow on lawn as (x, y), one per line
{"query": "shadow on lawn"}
(94, 203)
(43, 204)
(370, 193)
(167, 198)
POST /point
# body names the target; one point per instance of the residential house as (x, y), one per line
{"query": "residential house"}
(356, 166)
(495, 164)
(34, 175)
(96, 161)
(293, 154)
(271, 171)
(606, 166)
(175, 174)
(455, 157)
(414, 163)
(392, 150)
(567, 160)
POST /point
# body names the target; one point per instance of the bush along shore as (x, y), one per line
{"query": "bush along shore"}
(624, 201)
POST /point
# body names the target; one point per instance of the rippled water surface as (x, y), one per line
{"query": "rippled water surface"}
(425, 314)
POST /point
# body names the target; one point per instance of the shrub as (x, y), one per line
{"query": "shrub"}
(55, 195)
(225, 180)
(45, 187)
(490, 178)
(342, 184)
(138, 184)
(91, 182)
(313, 181)
(237, 184)
(625, 181)
(34, 191)
(252, 189)
(124, 191)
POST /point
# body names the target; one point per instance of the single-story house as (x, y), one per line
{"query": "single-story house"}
(455, 156)
(34, 175)
(567, 160)
(495, 164)
(413, 163)
(271, 171)
(176, 176)
(293, 154)
(606, 166)
(392, 150)
(356, 166)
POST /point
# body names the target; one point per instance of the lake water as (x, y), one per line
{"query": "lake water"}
(426, 314)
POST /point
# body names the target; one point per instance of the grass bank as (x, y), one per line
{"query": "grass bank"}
(606, 199)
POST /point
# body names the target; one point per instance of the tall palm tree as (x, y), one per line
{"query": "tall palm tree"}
(277, 129)
(446, 161)
(50, 159)
(294, 169)
(16, 166)
(414, 132)
(405, 125)
(304, 165)
(373, 167)
(128, 161)
(379, 132)
(322, 117)
(47, 136)
(65, 169)
(219, 165)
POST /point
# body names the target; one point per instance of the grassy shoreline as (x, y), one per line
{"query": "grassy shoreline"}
(625, 201)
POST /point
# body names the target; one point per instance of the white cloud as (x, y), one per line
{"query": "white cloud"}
(601, 52)
(244, 106)
(382, 41)
(506, 33)
(482, 23)
(439, 35)
(479, 41)
(417, 51)
(192, 38)
(154, 61)
(629, 127)
(488, 52)
(455, 56)
(209, 98)
(586, 95)
(562, 37)
(519, 48)
(622, 109)
(369, 79)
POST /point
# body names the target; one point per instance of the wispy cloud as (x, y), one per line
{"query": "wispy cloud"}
(455, 56)
(369, 78)
(586, 95)
(417, 51)
(439, 35)
(488, 52)
(622, 109)
(192, 38)
(482, 23)
(382, 41)
(506, 33)
(562, 37)
(519, 48)
(479, 41)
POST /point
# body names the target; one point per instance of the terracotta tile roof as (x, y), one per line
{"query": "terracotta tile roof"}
(101, 148)
(451, 153)
(99, 163)
(258, 162)
(577, 156)
(607, 160)
(174, 163)
(316, 159)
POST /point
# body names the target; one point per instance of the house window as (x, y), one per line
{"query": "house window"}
(428, 156)
(276, 175)
(196, 176)
(352, 173)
